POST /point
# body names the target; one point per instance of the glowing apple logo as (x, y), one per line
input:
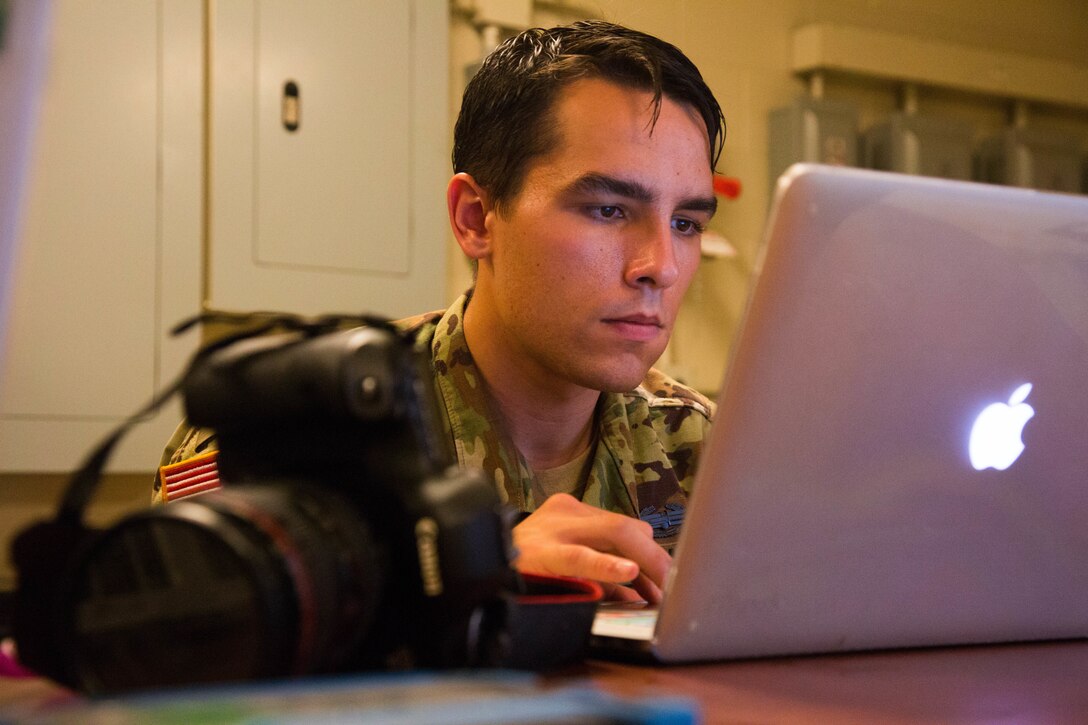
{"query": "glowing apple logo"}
(995, 436)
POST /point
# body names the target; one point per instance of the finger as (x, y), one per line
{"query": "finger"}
(579, 561)
(634, 541)
(653, 564)
(647, 589)
(612, 571)
(620, 593)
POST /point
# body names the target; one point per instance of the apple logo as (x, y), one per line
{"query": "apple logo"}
(995, 437)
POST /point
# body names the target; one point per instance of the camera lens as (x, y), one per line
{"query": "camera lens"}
(245, 583)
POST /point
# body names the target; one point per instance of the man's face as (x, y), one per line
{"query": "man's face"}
(590, 261)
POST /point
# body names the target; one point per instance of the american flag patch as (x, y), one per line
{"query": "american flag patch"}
(198, 474)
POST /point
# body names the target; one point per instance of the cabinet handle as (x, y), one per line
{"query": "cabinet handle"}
(291, 107)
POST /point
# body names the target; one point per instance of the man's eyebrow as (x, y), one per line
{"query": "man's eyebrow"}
(597, 183)
(709, 204)
(594, 183)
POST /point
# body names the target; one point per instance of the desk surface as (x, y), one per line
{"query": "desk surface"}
(1031, 683)
(1035, 683)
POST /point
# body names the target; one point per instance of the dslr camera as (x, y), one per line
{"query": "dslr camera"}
(343, 538)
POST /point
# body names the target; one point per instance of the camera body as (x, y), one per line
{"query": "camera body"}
(343, 538)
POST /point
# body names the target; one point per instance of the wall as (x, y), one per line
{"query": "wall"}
(743, 48)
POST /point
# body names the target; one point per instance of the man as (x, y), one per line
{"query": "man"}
(583, 160)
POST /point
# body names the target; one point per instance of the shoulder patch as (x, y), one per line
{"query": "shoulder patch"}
(190, 477)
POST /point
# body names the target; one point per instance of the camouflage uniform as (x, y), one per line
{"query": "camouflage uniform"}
(648, 439)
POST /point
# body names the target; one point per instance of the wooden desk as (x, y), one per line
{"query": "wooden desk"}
(1014, 684)
(1034, 683)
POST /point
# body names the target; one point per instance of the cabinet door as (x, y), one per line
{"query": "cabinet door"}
(109, 256)
(328, 155)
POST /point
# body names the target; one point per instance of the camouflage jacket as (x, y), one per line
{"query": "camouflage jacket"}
(648, 440)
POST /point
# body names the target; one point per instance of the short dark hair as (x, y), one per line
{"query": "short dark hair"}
(506, 112)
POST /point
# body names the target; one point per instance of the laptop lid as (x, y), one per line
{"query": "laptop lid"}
(865, 485)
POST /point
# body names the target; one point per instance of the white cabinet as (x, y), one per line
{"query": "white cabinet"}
(344, 211)
(110, 251)
(132, 222)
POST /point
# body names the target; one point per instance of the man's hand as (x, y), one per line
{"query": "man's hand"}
(566, 537)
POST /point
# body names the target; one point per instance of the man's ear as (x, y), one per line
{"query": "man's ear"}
(469, 205)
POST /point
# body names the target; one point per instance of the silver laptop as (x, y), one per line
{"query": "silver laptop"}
(900, 454)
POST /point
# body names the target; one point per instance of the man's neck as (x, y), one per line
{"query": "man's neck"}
(550, 421)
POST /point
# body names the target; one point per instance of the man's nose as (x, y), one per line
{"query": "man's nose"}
(652, 260)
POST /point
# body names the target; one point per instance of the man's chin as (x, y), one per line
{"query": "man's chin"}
(616, 380)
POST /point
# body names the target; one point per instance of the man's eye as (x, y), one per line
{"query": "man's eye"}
(607, 212)
(687, 226)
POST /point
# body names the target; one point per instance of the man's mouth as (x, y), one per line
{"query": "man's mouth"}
(639, 328)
